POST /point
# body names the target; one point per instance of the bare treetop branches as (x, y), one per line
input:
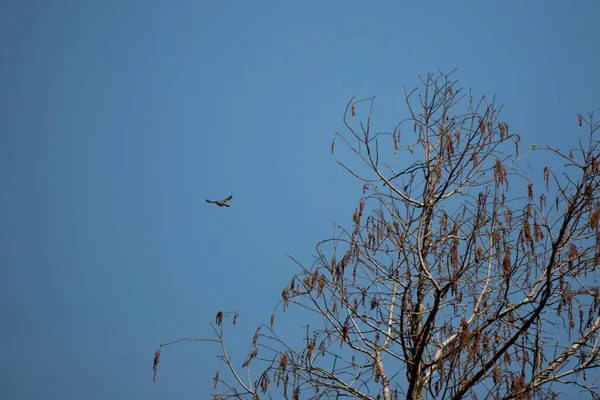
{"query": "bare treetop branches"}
(461, 276)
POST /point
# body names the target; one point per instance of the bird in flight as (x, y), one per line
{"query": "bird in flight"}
(220, 203)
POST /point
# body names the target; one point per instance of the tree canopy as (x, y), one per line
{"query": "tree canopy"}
(467, 272)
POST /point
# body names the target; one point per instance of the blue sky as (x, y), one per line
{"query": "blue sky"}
(120, 117)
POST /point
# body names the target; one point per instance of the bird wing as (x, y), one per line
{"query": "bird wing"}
(227, 199)
(210, 201)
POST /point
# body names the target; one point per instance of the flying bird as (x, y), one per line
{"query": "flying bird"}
(220, 203)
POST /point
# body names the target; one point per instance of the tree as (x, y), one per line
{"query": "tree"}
(448, 284)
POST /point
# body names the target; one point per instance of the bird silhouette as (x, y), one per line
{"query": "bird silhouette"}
(220, 203)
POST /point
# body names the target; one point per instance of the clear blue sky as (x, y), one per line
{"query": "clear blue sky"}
(120, 117)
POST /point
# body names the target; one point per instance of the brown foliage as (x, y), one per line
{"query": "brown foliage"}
(155, 365)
